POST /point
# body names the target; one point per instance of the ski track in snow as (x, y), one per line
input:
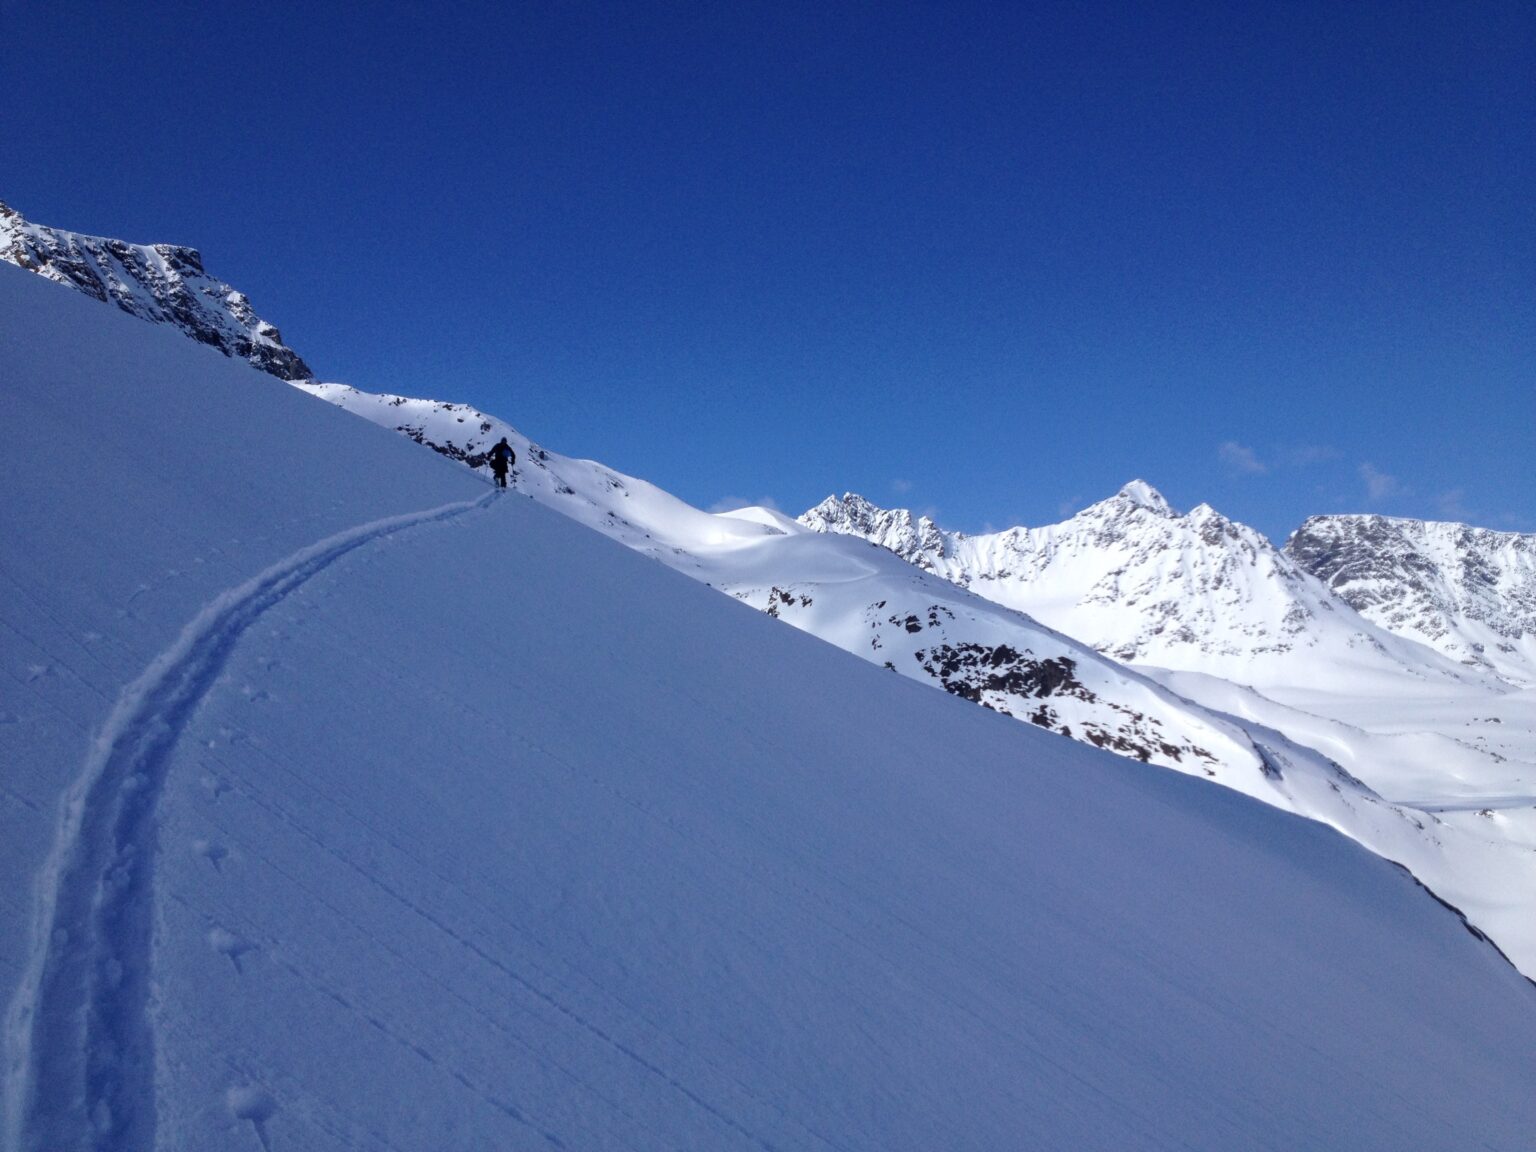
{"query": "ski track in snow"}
(80, 1045)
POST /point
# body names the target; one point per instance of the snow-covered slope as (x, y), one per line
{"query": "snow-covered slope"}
(866, 600)
(402, 819)
(1210, 609)
(1467, 592)
(161, 283)
(854, 596)
(1454, 802)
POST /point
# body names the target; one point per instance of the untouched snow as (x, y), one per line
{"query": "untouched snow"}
(1212, 610)
(487, 832)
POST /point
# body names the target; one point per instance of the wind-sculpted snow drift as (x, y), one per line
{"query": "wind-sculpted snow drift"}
(490, 833)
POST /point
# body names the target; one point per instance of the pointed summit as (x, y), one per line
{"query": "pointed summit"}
(1143, 495)
(916, 539)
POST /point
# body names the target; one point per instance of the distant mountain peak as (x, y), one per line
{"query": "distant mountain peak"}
(1143, 495)
(916, 539)
(161, 283)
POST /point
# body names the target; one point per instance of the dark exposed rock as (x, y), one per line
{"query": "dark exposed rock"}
(161, 283)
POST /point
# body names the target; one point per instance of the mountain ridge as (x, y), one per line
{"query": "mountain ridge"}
(1465, 591)
(161, 283)
(1146, 585)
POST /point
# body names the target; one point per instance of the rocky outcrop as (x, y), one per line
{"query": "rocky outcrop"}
(1468, 592)
(161, 283)
(916, 540)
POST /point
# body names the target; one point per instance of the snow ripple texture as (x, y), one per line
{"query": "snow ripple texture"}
(79, 1037)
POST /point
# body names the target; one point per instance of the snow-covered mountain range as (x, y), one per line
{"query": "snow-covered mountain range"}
(1206, 607)
(1467, 592)
(1143, 584)
(161, 283)
(351, 805)
(1397, 693)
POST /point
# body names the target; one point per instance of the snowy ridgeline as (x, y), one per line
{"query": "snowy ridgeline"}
(1468, 592)
(434, 822)
(1348, 595)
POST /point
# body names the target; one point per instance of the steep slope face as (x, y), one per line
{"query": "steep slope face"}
(488, 833)
(859, 598)
(1467, 592)
(1145, 585)
(161, 283)
(866, 600)
(1209, 609)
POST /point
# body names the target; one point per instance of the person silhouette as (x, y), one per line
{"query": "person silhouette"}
(502, 458)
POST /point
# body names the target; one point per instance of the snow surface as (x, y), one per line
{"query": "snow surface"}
(474, 829)
(1369, 784)
(1199, 591)
(1210, 609)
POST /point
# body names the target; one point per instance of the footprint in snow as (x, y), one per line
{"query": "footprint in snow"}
(211, 851)
(254, 1103)
(224, 941)
(213, 785)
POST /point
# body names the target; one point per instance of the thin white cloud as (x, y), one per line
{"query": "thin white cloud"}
(1306, 455)
(1379, 485)
(1241, 459)
(901, 487)
(735, 503)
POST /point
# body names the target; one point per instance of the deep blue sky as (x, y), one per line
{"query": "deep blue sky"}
(989, 261)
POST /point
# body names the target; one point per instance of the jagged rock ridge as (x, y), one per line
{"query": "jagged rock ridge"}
(916, 540)
(161, 283)
(1467, 592)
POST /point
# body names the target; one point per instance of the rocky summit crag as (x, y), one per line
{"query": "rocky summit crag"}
(161, 283)
(1467, 592)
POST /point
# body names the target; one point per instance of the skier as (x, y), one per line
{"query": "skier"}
(502, 458)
